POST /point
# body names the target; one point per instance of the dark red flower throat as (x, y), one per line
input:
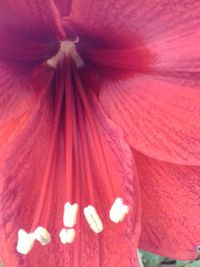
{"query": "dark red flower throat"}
(78, 156)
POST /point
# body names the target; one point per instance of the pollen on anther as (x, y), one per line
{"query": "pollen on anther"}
(67, 236)
(42, 235)
(93, 219)
(118, 211)
(25, 242)
(70, 214)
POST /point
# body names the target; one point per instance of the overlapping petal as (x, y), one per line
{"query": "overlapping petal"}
(159, 112)
(163, 35)
(170, 201)
(160, 116)
(29, 31)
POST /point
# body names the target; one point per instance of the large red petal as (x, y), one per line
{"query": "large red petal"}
(29, 31)
(109, 43)
(36, 165)
(160, 35)
(160, 115)
(170, 201)
(140, 16)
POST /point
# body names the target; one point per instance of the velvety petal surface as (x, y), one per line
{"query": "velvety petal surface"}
(64, 6)
(24, 135)
(109, 43)
(160, 115)
(29, 31)
(159, 111)
(170, 201)
(59, 146)
(164, 34)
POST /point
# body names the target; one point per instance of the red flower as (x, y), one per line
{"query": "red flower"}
(99, 104)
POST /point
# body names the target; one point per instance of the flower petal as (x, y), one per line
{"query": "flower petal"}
(64, 6)
(158, 35)
(140, 16)
(36, 177)
(98, 18)
(21, 163)
(170, 201)
(112, 176)
(160, 115)
(110, 44)
(16, 102)
(29, 31)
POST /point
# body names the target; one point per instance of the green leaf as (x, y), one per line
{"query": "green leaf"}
(181, 263)
(151, 260)
(193, 264)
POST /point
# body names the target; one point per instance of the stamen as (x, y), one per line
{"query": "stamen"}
(118, 211)
(66, 48)
(93, 219)
(42, 235)
(67, 236)
(70, 214)
(25, 242)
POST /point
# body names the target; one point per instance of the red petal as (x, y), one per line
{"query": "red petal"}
(109, 42)
(170, 202)
(98, 18)
(160, 113)
(24, 135)
(140, 16)
(160, 116)
(29, 30)
(16, 102)
(57, 156)
(64, 6)
(159, 35)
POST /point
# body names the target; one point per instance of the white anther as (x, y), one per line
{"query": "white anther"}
(67, 236)
(66, 48)
(118, 211)
(70, 214)
(25, 242)
(42, 235)
(93, 219)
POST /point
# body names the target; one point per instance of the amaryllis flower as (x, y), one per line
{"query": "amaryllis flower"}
(99, 131)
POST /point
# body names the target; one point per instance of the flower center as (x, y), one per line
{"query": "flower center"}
(67, 49)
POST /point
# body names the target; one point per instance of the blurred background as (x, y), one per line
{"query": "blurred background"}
(152, 260)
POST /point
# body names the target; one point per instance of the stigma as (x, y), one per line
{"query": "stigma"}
(67, 49)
